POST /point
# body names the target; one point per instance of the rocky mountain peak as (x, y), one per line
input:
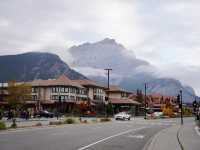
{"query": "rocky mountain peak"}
(108, 41)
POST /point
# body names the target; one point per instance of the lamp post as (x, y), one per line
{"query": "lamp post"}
(145, 100)
(195, 107)
(59, 103)
(108, 88)
(39, 98)
(181, 105)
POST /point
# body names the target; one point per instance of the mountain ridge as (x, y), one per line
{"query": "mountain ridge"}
(34, 65)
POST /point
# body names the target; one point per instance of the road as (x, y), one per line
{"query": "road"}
(117, 135)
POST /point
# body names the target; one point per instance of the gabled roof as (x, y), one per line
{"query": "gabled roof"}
(61, 81)
(88, 83)
(115, 88)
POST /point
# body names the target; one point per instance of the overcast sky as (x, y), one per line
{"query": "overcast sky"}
(164, 32)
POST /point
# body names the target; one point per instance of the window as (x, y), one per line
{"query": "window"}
(98, 97)
(66, 97)
(66, 90)
(72, 97)
(70, 90)
(62, 97)
(54, 97)
(98, 91)
(34, 90)
(78, 91)
(53, 90)
(77, 98)
(57, 89)
(34, 97)
(62, 89)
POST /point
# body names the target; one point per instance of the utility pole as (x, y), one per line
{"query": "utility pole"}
(181, 102)
(108, 74)
(145, 100)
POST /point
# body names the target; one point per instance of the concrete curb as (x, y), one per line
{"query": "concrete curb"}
(23, 128)
(178, 138)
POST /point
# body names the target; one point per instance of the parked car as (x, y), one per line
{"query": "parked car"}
(122, 116)
(5, 114)
(89, 114)
(157, 114)
(45, 113)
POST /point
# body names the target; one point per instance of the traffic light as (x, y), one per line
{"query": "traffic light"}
(178, 99)
(195, 106)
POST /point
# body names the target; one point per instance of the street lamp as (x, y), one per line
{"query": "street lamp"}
(145, 100)
(108, 88)
(181, 102)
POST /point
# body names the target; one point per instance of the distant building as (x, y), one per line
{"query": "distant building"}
(48, 94)
(3, 93)
(120, 100)
(157, 101)
(65, 93)
(95, 92)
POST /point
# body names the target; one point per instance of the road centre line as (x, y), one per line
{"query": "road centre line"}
(110, 137)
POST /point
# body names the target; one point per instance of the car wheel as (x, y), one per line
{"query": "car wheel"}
(129, 118)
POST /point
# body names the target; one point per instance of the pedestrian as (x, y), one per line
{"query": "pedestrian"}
(27, 115)
(198, 113)
(9, 115)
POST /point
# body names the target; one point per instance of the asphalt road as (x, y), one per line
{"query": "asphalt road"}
(120, 135)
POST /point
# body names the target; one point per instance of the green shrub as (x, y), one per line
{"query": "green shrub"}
(94, 121)
(55, 123)
(69, 121)
(38, 124)
(1, 113)
(2, 125)
(84, 121)
(105, 119)
(14, 124)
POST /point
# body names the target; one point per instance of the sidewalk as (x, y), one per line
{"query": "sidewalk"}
(177, 137)
(166, 140)
(189, 137)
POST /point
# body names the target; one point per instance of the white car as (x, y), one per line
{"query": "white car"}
(122, 116)
(158, 114)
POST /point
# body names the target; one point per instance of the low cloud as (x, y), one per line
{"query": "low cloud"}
(161, 32)
(188, 75)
